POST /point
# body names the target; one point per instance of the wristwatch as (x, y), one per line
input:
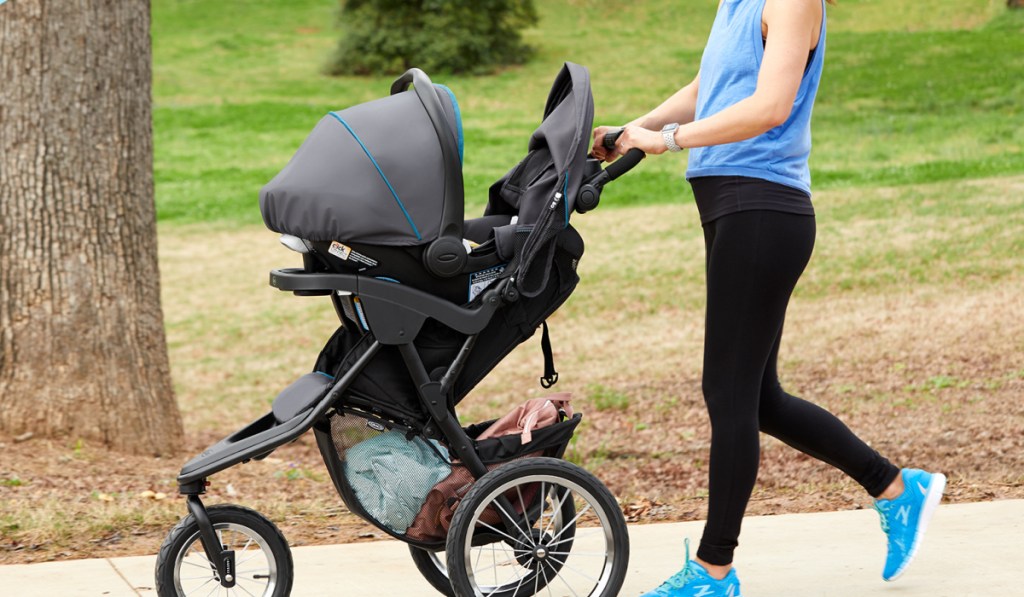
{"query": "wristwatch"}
(668, 132)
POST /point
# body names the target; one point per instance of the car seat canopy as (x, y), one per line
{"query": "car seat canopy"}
(374, 173)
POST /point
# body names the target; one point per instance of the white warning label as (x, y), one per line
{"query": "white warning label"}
(345, 252)
(479, 281)
(339, 250)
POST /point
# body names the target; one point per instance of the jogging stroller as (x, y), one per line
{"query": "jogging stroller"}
(429, 303)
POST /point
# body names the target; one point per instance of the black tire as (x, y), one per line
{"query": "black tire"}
(541, 554)
(433, 567)
(232, 523)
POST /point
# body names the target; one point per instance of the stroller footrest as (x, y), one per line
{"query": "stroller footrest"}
(301, 395)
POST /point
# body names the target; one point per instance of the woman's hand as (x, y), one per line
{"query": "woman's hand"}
(650, 142)
(598, 149)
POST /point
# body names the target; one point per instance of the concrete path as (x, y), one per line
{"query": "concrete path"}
(970, 550)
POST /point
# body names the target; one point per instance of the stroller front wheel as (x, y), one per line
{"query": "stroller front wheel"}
(565, 531)
(263, 560)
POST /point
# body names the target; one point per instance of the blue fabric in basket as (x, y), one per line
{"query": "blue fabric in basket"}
(391, 476)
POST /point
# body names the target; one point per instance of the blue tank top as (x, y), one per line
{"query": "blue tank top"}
(728, 74)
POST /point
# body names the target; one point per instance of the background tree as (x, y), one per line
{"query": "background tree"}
(389, 36)
(82, 346)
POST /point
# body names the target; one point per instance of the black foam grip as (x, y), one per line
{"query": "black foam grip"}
(610, 139)
(625, 163)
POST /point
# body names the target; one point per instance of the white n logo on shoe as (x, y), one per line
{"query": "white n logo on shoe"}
(705, 590)
(904, 513)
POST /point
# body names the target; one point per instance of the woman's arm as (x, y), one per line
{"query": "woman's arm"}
(680, 107)
(793, 27)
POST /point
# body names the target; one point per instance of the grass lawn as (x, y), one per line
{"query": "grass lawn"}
(913, 92)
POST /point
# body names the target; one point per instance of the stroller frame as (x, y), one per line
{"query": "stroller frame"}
(395, 313)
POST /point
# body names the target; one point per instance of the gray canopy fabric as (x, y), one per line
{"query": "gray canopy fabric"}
(371, 173)
(542, 188)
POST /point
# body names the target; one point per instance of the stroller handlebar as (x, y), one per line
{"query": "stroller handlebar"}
(590, 193)
(626, 162)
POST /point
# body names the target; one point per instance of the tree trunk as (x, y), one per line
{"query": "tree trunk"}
(1015, 3)
(82, 348)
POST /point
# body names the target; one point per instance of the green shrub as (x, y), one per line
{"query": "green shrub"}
(448, 36)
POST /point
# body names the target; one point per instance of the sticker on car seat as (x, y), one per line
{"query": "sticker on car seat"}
(346, 253)
(479, 281)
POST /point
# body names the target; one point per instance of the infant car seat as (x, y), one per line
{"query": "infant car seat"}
(377, 189)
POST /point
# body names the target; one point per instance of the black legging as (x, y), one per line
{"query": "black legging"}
(754, 259)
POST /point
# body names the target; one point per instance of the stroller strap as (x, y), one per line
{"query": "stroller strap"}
(550, 375)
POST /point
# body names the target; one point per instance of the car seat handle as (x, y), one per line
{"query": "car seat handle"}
(445, 256)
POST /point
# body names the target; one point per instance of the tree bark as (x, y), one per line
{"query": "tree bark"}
(83, 353)
(1014, 3)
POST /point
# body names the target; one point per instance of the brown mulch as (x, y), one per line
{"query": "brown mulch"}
(63, 502)
(931, 381)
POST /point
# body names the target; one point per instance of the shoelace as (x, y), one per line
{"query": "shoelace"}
(679, 579)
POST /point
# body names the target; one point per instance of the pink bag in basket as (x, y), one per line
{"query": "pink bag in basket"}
(435, 517)
(532, 414)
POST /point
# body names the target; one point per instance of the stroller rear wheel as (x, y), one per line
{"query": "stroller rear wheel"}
(571, 537)
(433, 567)
(263, 561)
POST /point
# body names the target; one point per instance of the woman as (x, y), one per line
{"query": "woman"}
(746, 120)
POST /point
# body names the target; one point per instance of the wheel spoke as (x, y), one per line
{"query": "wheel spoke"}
(482, 523)
(558, 509)
(209, 566)
(559, 576)
(528, 538)
(565, 565)
(248, 559)
(596, 531)
(573, 521)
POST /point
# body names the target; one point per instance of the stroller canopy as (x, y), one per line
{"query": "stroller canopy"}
(385, 172)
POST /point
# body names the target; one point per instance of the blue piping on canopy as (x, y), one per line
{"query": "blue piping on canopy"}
(381, 172)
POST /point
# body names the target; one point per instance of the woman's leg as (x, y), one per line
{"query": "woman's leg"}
(754, 259)
(818, 433)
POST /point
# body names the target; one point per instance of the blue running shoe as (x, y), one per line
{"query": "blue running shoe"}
(905, 519)
(694, 581)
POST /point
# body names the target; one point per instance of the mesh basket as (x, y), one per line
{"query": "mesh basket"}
(386, 475)
(409, 486)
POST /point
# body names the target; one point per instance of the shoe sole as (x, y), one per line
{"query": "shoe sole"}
(931, 502)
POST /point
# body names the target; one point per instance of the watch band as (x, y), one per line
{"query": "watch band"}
(668, 133)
